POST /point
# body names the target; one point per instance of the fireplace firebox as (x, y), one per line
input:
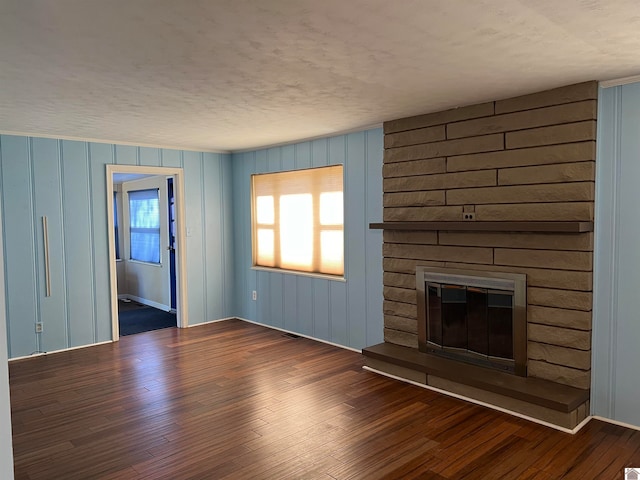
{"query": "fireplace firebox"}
(474, 317)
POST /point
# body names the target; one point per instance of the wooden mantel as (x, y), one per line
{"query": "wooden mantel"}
(479, 226)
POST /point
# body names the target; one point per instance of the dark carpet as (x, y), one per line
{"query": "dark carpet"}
(144, 319)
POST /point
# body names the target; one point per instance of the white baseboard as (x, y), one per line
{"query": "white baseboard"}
(616, 422)
(144, 301)
(483, 404)
(40, 354)
(301, 335)
(211, 321)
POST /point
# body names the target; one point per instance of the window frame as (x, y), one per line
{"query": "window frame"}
(156, 231)
(318, 229)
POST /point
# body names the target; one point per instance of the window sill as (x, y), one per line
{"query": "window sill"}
(150, 264)
(323, 276)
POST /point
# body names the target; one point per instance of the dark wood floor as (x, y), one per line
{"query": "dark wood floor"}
(235, 400)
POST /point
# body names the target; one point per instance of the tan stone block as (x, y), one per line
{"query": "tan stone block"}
(422, 214)
(550, 212)
(414, 167)
(567, 357)
(559, 317)
(400, 280)
(415, 137)
(403, 265)
(414, 199)
(563, 337)
(439, 118)
(567, 133)
(400, 309)
(557, 96)
(552, 259)
(556, 373)
(398, 337)
(436, 253)
(551, 154)
(558, 192)
(441, 181)
(536, 241)
(403, 295)
(409, 325)
(538, 277)
(420, 237)
(555, 115)
(485, 143)
(562, 173)
(548, 297)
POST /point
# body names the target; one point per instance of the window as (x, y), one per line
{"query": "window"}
(144, 225)
(298, 220)
(115, 224)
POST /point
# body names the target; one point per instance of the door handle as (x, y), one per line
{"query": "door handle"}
(45, 242)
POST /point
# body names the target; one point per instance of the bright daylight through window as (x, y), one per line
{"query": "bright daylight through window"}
(298, 220)
(144, 228)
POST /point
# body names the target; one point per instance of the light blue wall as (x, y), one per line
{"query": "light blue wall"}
(65, 181)
(616, 325)
(347, 313)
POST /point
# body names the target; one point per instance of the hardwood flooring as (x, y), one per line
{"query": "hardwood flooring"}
(236, 400)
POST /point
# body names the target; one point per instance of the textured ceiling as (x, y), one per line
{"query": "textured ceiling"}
(235, 74)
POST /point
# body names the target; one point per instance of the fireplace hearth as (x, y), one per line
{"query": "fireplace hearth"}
(473, 317)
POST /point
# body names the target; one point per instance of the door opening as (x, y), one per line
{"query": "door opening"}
(174, 258)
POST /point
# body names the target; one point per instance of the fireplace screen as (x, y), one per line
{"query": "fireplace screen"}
(473, 317)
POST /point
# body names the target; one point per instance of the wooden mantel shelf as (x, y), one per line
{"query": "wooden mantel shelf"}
(478, 226)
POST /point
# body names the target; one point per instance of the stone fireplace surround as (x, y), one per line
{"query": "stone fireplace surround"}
(524, 168)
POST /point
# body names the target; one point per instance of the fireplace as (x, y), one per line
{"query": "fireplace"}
(474, 317)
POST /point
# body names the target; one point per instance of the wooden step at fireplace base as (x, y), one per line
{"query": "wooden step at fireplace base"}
(547, 401)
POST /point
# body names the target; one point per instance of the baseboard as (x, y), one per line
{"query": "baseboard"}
(212, 321)
(40, 354)
(616, 422)
(357, 350)
(483, 404)
(144, 301)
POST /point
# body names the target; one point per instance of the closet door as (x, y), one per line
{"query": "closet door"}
(48, 221)
(34, 247)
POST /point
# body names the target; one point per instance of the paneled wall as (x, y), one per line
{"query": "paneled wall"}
(616, 329)
(347, 313)
(529, 158)
(65, 181)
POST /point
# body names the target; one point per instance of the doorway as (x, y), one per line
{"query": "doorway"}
(171, 263)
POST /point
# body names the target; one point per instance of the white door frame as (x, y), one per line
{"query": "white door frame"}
(181, 273)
